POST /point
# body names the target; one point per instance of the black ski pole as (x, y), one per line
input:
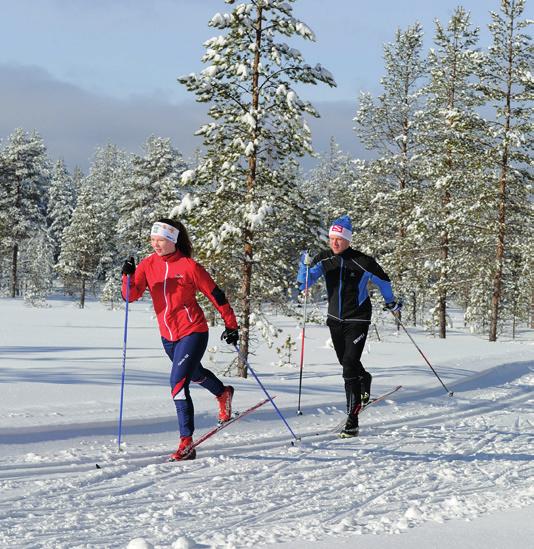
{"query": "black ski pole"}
(398, 320)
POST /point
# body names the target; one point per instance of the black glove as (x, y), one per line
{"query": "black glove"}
(394, 306)
(230, 335)
(129, 267)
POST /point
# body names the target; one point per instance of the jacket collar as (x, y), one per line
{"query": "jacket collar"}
(174, 256)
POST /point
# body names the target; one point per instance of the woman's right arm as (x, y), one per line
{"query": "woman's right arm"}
(138, 283)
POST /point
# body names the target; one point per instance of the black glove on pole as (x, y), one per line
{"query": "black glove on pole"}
(129, 267)
(230, 335)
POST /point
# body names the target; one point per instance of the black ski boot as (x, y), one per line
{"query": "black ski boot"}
(366, 388)
(351, 428)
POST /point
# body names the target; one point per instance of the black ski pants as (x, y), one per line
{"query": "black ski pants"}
(349, 342)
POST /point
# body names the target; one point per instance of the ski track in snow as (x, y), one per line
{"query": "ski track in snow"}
(427, 459)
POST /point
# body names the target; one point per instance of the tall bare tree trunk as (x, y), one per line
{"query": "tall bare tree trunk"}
(496, 297)
(248, 235)
(82, 293)
(14, 260)
(499, 253)
(444, 275)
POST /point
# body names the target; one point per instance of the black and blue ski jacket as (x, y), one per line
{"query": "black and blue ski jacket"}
(346, 275)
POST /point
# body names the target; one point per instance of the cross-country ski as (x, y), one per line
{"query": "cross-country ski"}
(208, 434)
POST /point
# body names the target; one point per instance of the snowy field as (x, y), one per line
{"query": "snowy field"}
(428, 470)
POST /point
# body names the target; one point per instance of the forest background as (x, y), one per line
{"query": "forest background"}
(444, 200)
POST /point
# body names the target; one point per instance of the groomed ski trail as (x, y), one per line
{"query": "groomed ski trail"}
(417, 460)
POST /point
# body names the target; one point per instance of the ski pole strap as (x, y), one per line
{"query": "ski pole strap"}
(265, 391)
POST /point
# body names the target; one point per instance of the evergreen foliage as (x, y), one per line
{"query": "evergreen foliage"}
(246, 202)
(61, 202)
(508, 86)
(24, 179)
(445, 204)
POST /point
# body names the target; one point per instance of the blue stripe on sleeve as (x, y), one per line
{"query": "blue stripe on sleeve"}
(385, 288)
(363, 294)
(314, 274)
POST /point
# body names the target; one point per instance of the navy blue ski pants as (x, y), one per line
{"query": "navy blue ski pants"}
(186, 354)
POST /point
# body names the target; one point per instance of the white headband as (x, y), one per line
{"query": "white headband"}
(166, 231)
(339, 230)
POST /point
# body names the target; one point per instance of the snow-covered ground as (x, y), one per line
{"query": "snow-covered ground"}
(427, 469)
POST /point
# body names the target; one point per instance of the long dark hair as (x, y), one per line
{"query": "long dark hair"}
(184, 242)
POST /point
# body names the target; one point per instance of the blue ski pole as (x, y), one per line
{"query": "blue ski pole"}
(265, 391)
(124, 356)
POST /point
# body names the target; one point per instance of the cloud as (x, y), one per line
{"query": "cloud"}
(74, 122)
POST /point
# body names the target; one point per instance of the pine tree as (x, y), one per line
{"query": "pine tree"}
(24, 180)
(257, 126)
(150, 192)
(451, 131)
(387, 125)
(507, 84)
(37, 263)
(329, 186)
(61, 202)
(89, 243)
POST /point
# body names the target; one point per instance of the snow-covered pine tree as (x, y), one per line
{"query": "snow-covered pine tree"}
(386, 125)
(37, 264)
(257, 125)
(24, 181)
(329, 186)
(451, 131)
(89, 243)
(61, 202)
(150, 192)
(508, 86)
(110, 170)
(82, 242)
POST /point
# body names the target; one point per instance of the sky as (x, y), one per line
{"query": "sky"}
(84, 73)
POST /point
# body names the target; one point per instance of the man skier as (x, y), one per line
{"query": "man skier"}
(347, 272)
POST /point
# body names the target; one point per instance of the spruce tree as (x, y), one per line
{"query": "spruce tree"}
(257, 127)
(329, 186)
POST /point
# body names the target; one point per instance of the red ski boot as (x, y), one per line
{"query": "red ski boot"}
(225, 404)
(184, 450)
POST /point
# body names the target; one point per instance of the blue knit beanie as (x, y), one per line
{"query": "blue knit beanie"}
(341, 227)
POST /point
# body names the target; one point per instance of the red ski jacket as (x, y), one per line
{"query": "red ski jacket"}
(173, 281)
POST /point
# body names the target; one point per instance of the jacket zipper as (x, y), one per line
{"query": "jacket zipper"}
(165, 296)
(188, 315)
(340, 288)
